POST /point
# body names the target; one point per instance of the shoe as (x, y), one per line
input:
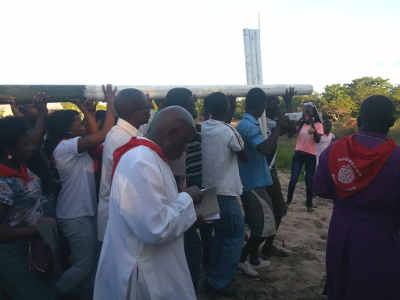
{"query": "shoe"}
(229, 291)
(278, 252)
(262, 264)
(310, 209)
(248, 269)
(256, 262)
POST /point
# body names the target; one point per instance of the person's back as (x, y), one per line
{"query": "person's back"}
(220, 147)
(76, 173)
(220, 164)
(255, 172)
(363, 241)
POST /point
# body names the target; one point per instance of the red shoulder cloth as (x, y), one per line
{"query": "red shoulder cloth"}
(353, 166)
(22, 173)
(133, 143)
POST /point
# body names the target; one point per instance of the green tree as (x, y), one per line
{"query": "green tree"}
(240, 108)
(298, 101)
(336, 103)
(200, 109)
(362, 88)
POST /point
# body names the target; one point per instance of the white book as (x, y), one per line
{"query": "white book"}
(208, 207)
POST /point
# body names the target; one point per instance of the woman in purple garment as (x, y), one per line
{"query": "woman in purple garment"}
(361, 173)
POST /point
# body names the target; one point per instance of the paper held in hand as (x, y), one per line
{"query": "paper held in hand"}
(208, 207)
(296, 116)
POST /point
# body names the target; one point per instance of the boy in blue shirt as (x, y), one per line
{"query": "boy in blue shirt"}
(255, 175)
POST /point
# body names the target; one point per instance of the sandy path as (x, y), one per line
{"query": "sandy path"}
(300, 276)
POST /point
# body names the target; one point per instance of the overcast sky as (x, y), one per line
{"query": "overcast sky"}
(152, 42)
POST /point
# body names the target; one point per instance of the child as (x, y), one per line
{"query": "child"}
(326, 139)
(220, 145)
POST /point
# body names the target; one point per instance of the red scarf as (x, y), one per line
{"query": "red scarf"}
(22, 173)
(97, 155)
(353, 166)
(133, 143)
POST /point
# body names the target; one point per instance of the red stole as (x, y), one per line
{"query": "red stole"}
(22, 173)
(133, 143)
(353, 166)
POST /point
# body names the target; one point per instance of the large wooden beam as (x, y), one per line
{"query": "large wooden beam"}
(66, 93)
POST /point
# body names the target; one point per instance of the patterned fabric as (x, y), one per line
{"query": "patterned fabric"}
(24, 199)
(259, 215)
(193, 160)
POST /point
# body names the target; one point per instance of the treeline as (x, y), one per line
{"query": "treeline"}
(341, 102)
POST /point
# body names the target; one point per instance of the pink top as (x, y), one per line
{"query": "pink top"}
(305, 141)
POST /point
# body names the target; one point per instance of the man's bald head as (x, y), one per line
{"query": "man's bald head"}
(133, 106)
(172, 128)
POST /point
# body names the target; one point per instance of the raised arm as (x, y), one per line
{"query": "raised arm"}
(88, 108)
(96, 138)
(41, 106)
(268, 146)
(14, 108)
(288, 99)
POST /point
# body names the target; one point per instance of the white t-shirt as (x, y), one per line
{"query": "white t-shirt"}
(326, 140)
(77, 197)
(220, 168)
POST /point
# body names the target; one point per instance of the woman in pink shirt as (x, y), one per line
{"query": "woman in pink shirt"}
(309, 133)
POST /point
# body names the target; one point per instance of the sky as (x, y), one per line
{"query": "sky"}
(151, 42)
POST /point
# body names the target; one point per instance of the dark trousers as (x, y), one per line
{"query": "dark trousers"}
(251, 248)
(279, 207)
(193, 252)
(278, 202)
(299, 159)
(206, 234)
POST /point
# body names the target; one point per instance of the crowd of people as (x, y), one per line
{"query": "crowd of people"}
(102, 204)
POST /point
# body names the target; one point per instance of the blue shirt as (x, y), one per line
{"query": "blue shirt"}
(255, 172)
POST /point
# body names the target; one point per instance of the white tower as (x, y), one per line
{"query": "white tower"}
(252, 52)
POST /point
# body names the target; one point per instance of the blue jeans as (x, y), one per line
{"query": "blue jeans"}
(299, 159)
(82, 240)
(227, 244)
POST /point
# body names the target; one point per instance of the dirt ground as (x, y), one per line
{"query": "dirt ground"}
(301, 275)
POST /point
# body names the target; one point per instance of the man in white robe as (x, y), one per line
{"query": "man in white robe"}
(143, 256)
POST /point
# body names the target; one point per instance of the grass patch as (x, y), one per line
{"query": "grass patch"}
(286, 147)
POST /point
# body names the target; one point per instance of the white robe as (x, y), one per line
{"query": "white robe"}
(143, 256)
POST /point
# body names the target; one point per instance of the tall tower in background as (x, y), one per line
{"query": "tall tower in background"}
(252, 52)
